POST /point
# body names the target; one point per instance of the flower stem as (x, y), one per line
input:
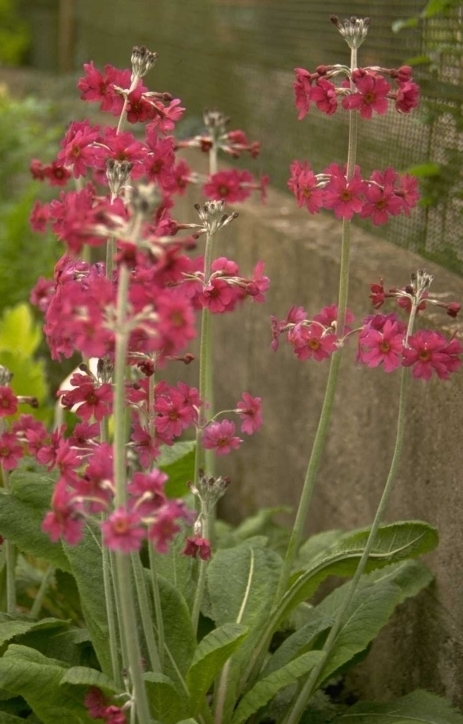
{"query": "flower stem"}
(205, 372)
(119, 389)
(10, 557)
(157, 605)
(145, 612)
(38, 601)
(297, 709)
(130, 634)
(202, 571)
(331, 385)
(110, 614)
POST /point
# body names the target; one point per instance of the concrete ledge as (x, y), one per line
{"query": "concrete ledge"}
(423, 645)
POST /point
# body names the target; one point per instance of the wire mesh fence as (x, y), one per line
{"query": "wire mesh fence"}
(239, 55)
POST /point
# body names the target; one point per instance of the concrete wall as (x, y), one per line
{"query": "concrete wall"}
(423, 646)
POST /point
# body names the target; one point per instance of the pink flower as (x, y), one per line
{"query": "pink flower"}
(231, 185)
(250, 411)
(8, 401)
(343, 196)
(302, 90)
(195, 545)
(428, 352)
(408, 97)
(92, 400)
(324, 95)
(371, 95)
(305, 187)
(380, 203)
(10, 451)
(312, 341)
(164, 528)
(382, 347)
(220, 437)
(123, 531)
(64, 520)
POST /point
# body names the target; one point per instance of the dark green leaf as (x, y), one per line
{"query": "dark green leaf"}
(265, 689)
(83, 676)
(165, 702)
(178, 631)
(210, 656)
(36, 678)
(11, 627)
(85, 561)
(22, 510)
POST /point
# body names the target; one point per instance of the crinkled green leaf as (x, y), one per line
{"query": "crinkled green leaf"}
(166, 704)
(11, 627)
(394, 543)
(27, 673)
(22, 510)
(420, 707)
(265, 689)
(86, 565)
(83, 676)
(210, 656)
(180, 638)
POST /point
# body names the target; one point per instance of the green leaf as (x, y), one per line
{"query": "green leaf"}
(434, 7)
(369, 610)
(410, 576)
(27, 673)
(22, 510)
(165, 702)
(18, 331)
(180, 638)
(178, 462)
(86, 565)
(241, 584)
(420, 706)
(394, 542)
(300, 642)
(259, 524)
(176, 568)
(210, 656)
(265, 689)
(318, 544)
(6, 718)
(10, 627)
(83, 676)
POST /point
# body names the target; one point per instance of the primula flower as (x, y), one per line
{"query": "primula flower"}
(428, 352)
(232, 186)
(220, 437)
(123, 531)
(371, 94)
(91, 400)
(407, 98)
(164, 527)
(11, 451)
(302, 89)
(312, 341)
(64, 520)
(250, 411)
(305, 187)
(8, 401)
(195, 545)
(343, 196)
(324, 95)
(382, 347)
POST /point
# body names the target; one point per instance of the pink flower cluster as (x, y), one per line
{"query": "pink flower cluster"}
(383, 339)
(383, 195)
(365, 90)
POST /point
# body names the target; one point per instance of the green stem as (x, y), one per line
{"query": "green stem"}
(118, 606)
(130, 635)
(10, 556)
(331, 385)
(122, 337)
(199, 593)
(111, 616)
(312, 683)
(205, 374)
(145, 612)
(157, 605)
(38, 601)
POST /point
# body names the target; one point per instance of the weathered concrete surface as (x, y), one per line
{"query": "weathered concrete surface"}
(423, 646)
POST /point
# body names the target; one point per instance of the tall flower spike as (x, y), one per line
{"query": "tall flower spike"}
(142, 61)
(353, 30)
